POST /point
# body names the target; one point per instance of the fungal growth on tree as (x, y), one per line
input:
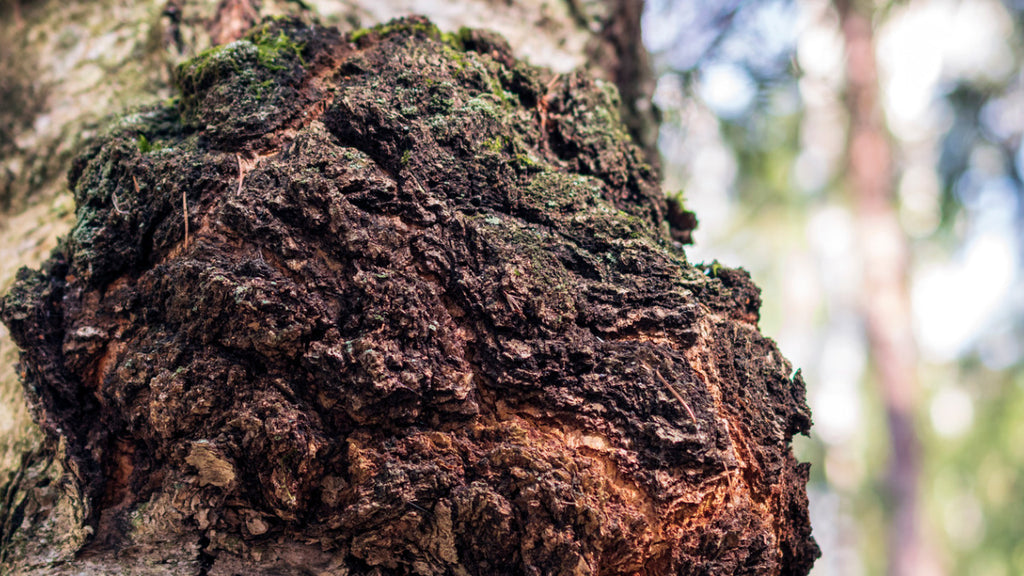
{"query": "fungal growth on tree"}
(393, 303)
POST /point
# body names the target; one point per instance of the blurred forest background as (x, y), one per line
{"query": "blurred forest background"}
(864, 161)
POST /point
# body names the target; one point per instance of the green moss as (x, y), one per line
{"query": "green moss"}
(206, 66)
(452, 40)
(440, 98)
(270, 51)
(356, 35)
(406, 26)
(145, 146)
(676, 198)
(457, 40)
(456, 57)
(410, 27)
(527, 163)
(483, 105)
(549, 289)
(233, 89)
(264, 88)
(138, 516)
(406, 157)
(496, 144)
(273, 51)
(712, 270)
(552, 190)
(507, 99)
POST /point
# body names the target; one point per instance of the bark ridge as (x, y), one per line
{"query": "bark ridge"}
(393, 303)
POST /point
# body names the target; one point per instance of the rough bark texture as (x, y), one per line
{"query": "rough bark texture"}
(392, 303)
(65, 67)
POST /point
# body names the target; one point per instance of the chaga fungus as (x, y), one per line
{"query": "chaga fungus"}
(428, 317)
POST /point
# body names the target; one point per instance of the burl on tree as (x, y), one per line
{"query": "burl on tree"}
(393, 303)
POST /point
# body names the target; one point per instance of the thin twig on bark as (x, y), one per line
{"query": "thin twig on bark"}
(679, 398)
(184, 203)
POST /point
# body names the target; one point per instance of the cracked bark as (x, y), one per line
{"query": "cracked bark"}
(429, 319)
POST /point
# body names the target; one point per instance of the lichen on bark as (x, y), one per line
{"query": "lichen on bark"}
(395, 303)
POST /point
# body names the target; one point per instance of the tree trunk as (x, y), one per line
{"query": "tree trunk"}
(390, 303)
(65, 68)
(886, 306)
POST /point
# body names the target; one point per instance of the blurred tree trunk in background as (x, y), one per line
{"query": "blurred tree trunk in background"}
(65, 68)
(886, 302)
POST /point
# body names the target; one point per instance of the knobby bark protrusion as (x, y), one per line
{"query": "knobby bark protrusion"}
(419, 311)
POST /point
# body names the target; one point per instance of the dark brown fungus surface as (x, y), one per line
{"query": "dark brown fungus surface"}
(397, 303)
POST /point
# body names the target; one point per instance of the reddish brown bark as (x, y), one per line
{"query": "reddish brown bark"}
(428, 319)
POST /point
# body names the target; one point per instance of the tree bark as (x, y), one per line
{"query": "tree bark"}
(66, 67)
(391, 303)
